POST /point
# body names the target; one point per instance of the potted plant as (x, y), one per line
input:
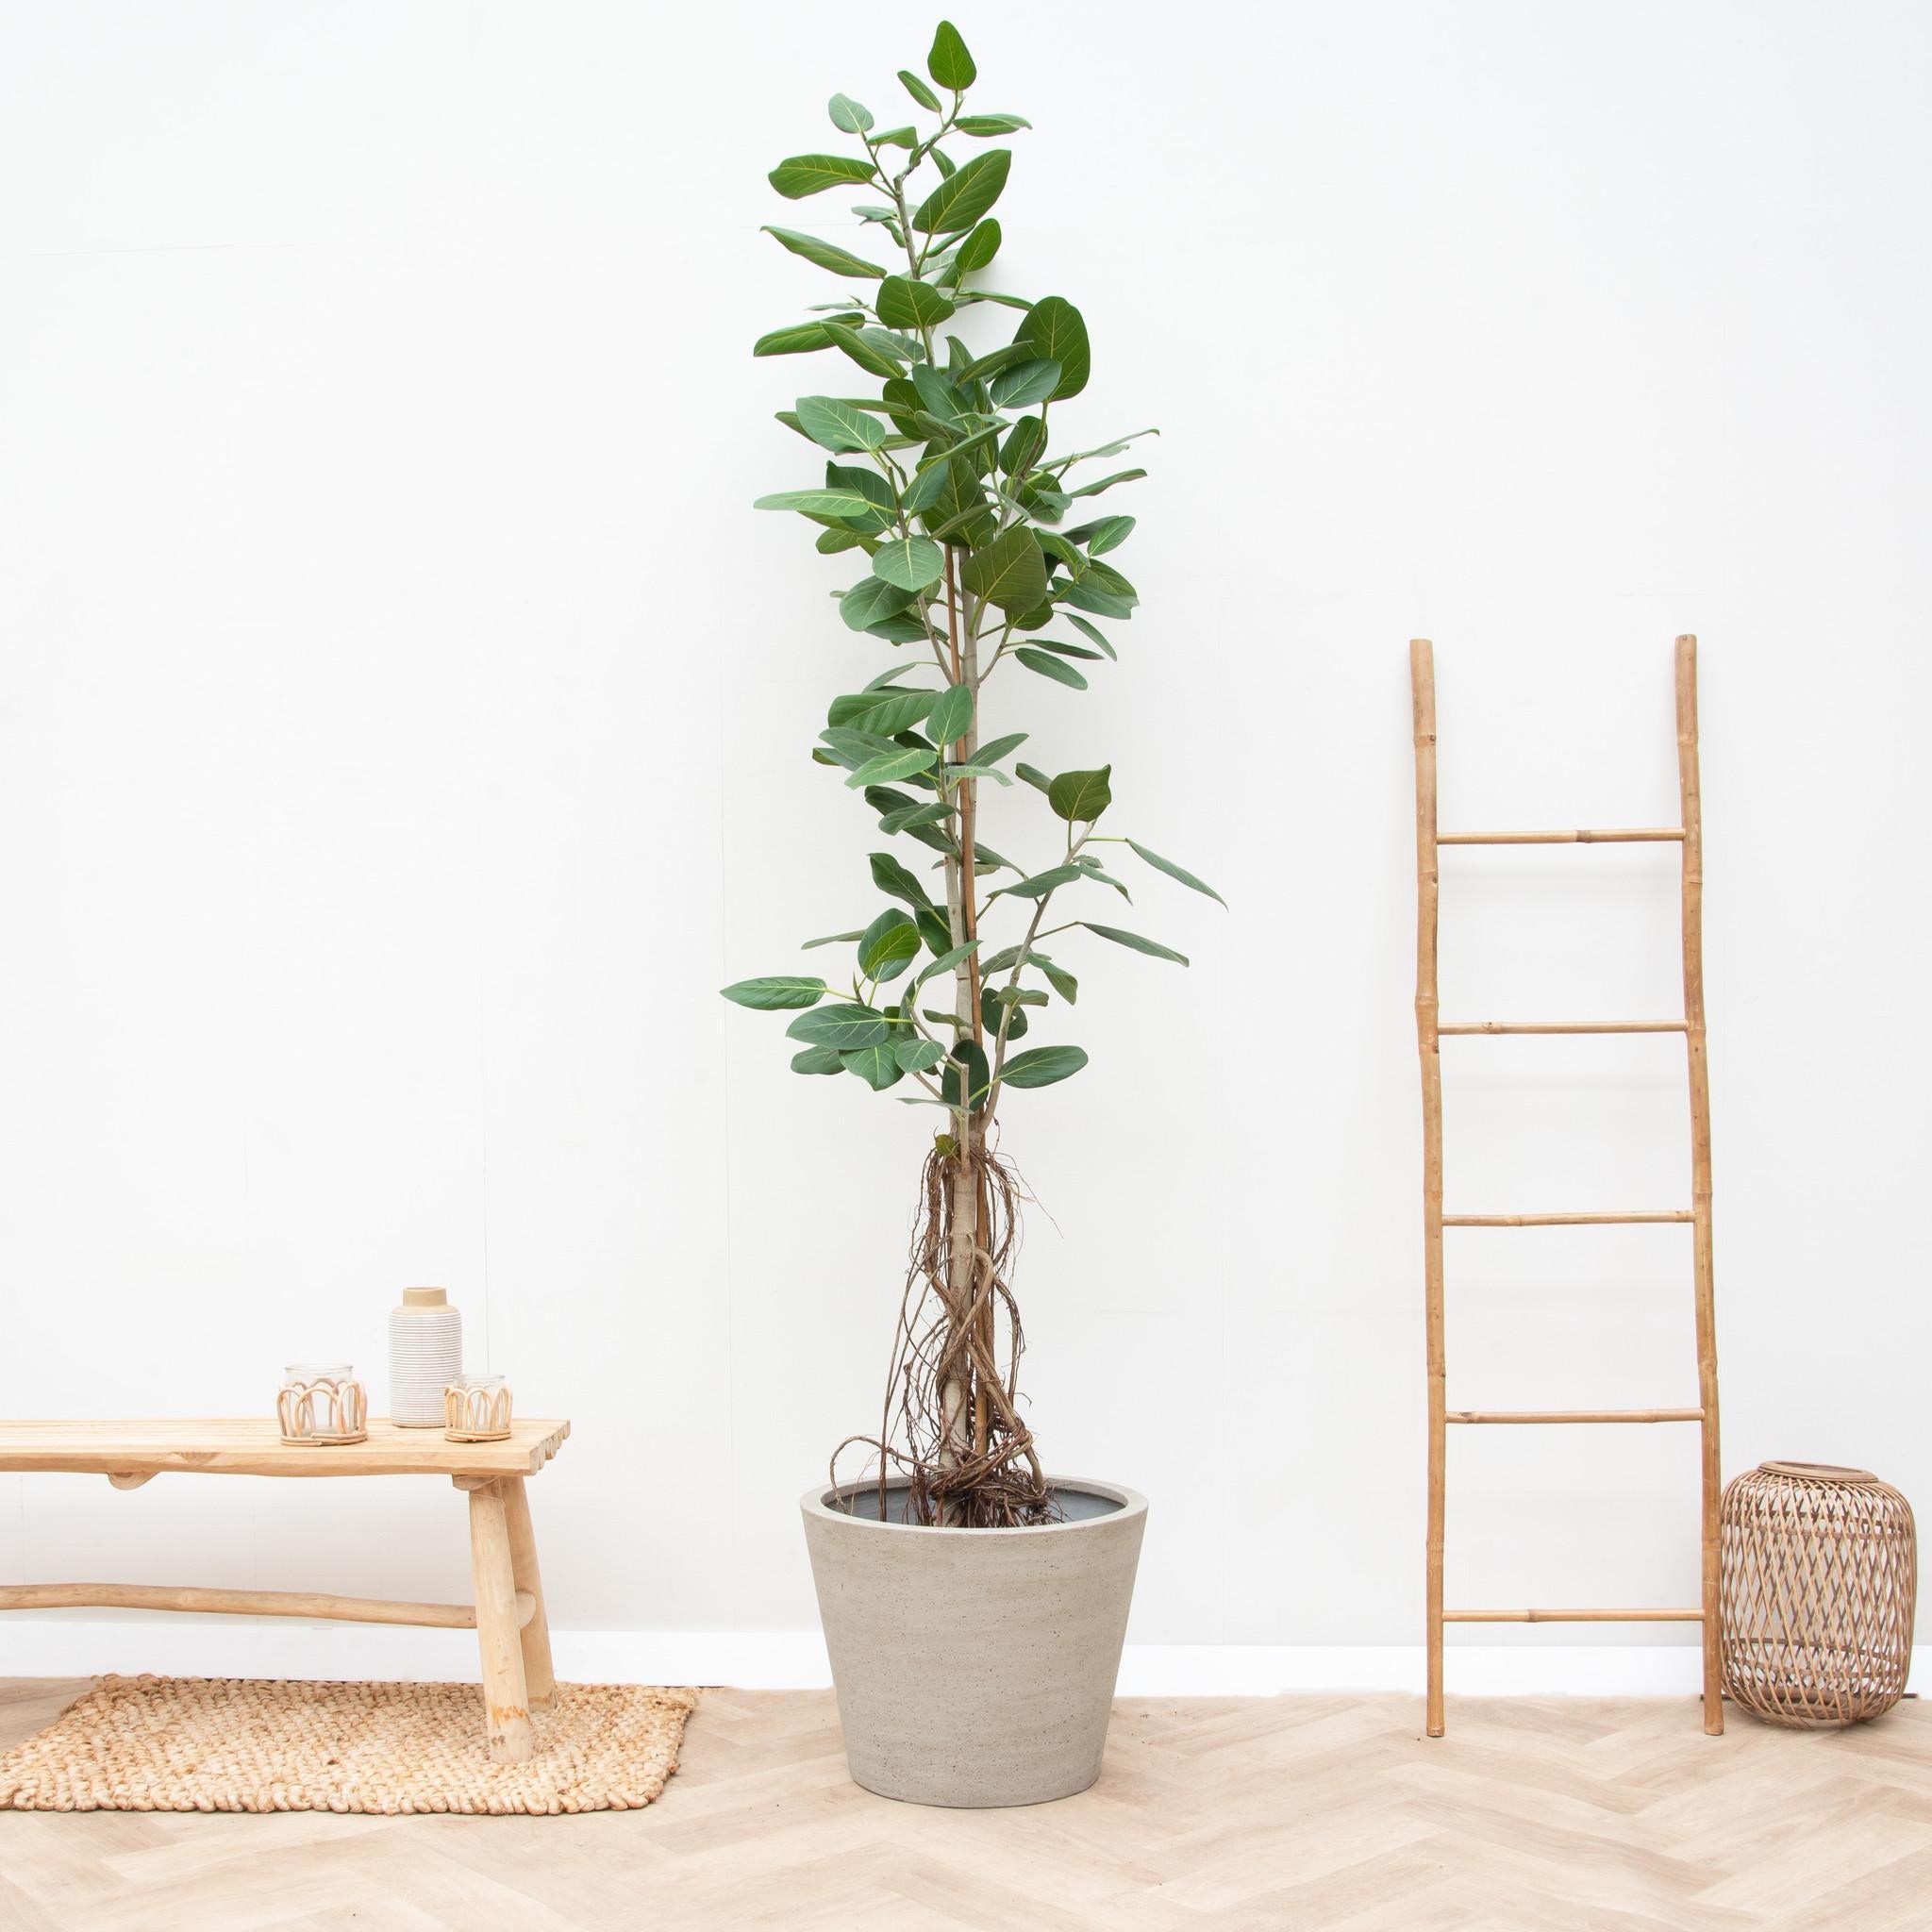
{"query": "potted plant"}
(983, 567)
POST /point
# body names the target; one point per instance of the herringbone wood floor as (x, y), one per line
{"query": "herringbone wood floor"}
(1538, 1815)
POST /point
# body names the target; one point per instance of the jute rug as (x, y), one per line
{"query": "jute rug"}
(245, 1744)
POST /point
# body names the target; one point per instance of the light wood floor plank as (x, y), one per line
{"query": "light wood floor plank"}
(1331, 1813)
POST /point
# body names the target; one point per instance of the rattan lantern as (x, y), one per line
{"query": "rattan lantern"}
(1819, 1574)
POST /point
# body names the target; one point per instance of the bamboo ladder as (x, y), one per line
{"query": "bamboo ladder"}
(1429, 1030)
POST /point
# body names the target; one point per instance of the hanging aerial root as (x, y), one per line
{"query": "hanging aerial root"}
(951, 1430)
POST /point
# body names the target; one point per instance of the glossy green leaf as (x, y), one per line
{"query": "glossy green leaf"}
(919, 1055)
(818, 1060)
(841, 261)
(983, 127)
(965, 195)
(1176, 872)
(838, 425)
(1109, 533)
(1042, 883)
(1108, 482)
(870, 599)
(1033, 775)
(910, 562)
(1032, 381)
(949, 63)
(847, 1028)
(890, 765)
(925, 489)
(951, 715)
(904, 303)
(831, 938)
(978, 248)
(1042, 1066)
(934, 930)
(1009, 572)
(878, 1066)
(848, 116)
(888, 945)
(1054, 329)
(819, 503)
(801, 339)
(893, 880)
(992, 1001)
(945, 962)
(1048, 665)
(970, 1058)
(1091, 631)
(775, 994)
(1152, 948)
(806, 174)
(992, 752)
(1080, 798)
(862, 345)
(918, 91)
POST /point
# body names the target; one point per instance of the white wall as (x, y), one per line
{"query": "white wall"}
(401, 732)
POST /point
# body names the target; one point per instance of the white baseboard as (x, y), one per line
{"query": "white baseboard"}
(40, 1645)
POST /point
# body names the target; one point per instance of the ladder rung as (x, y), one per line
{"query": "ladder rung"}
(1633, 835)
(1572, 1616)
(1566, 1027)
(1672, 1214)
(1574, 1415)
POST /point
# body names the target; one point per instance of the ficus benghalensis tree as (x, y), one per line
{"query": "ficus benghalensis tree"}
(982, 561)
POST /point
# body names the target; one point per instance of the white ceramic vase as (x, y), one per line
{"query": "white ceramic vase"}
(425, 1356)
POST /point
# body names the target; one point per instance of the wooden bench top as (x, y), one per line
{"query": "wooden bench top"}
(245, 1445)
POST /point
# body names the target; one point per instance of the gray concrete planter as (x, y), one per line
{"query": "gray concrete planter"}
(975, 1667)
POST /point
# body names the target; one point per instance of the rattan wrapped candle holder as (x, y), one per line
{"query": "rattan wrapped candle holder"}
(1818, 1583)
(322, 1403)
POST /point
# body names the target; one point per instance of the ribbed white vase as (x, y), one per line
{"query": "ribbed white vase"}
(425, 1356)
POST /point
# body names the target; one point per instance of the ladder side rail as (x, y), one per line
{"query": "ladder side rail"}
(1691, 818)
(1423, 691)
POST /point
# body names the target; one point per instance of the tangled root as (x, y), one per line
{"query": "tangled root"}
(950, 1429)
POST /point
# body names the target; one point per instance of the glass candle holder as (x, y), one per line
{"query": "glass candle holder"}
(322, 1402)
(476, 1408)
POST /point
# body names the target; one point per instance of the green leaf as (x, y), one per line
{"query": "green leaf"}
(806, 174)
(888, 945)
(1058, 977)
(945, 962)
(1109, 533)
(918, 91)
(878, 1066)
(798, 339)
(910, 817)
(953, 774)
(983, 125)
(925, 489)
(1152, 948)
(831, 938)
(1094, 597)
(862, 345)
(917, 1056)
(1108, 482)
(818, 1060)
(1088, 630)
(1042, 1066)
(978, 248)
(1009, 572)
(1054, 329)
(1033, 775)
(893, 880)
(951, 715)
(819, 503)
(776, 994)
(870, 599)
(1032, 381)
(1042, 883)
(847, 1028)
(848, 117)
(965, 195)
(991, 754)
(1049, 666)
(1176, 872)
(1080, 798)
(910, 562)
(890, 765)
(969, 1055)
(841, 261)
(934, 930)
(904, 303)
(1022, 450)
(838, 425)
(992, 1000)
(949, 63)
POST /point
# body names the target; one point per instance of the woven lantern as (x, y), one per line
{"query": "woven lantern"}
(1819, 1574)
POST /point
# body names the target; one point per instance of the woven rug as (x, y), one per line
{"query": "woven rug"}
(245, 1744)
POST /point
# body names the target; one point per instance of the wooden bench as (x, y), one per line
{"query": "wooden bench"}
(508, 1616)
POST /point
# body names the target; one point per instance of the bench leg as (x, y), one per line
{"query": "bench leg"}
(504, 1696)
(539, 1679)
